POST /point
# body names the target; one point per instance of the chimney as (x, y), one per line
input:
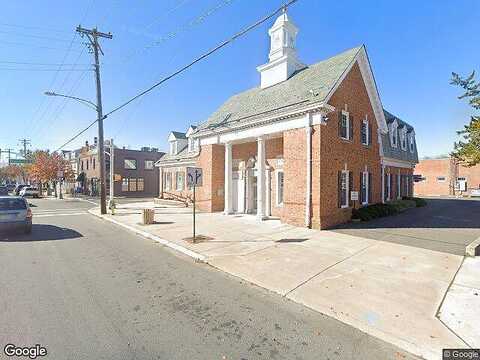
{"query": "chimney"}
(95, 140)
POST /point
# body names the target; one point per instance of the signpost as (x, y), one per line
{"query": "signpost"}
(354, 197)
(60, 179)
(194, 179)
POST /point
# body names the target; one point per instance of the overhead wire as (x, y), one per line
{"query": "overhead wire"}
(184, 68)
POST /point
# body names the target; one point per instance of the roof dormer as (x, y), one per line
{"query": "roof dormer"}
(192, 142)
(177, 141)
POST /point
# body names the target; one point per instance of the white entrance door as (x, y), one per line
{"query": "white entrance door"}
(238, 192)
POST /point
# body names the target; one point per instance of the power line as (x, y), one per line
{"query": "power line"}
(87, 10)
(34, 46)
(183, 28)
(34, 36)
(39, 64)
(35, 28)
(182, 69)
(37, 69)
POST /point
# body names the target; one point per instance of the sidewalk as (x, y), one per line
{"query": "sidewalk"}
(390, 291)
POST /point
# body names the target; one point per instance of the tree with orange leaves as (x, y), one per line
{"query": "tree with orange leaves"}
(46, 167)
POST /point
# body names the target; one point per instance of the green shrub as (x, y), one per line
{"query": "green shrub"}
(374, 211)
(419, 202)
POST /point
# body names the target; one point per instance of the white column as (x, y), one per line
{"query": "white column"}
(261, 178)
(228, 179)
(160, 176)
(382, 174)
(308, 195)
(268, 192)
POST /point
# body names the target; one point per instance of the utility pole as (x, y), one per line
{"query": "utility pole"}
(24, 143)
(112, 170)
(93, 36)
(9, 155)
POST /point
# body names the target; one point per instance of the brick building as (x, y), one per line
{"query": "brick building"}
(437, 177)
(136, 168)
(297, 146)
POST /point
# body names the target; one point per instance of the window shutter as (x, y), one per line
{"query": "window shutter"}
(340, 123)
(339, 192)
(350, 123)
(392, 188)
(350, 187)
(369, 134)
(361, 187)
(370, 187)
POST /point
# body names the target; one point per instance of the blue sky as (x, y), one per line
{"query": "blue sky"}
(413, 47)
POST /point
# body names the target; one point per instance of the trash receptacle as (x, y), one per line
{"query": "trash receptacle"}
(148, 216)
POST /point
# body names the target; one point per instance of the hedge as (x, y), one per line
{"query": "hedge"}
(418, 201)
(374, 211)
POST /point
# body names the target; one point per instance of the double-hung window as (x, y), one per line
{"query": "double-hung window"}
(168, 181)
(345, 125)
(365, 132)
(388, 186)
(130, 164)
(149, 164)
(180, 180)
(365, 185)
(411, 143)
(343, 188)
(280, 184)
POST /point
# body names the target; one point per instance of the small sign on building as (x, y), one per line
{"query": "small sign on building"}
(194, 177)
(354, 195)
(117, 177)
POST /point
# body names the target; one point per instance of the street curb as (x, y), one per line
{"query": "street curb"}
(147, 235)
(473, 249)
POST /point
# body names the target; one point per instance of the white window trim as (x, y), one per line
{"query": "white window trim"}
(168, 184)
(177, 183)
(347, 189)
(367, 187)
(347, 114)
(191, 144)
(367, 129)
(411, 143)
(388, 189)
(394, 135)
(173, 148)
(399, 186)
(403, 139)
(277, 188)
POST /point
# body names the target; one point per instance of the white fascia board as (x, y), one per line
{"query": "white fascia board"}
(397, 163)
(273, 124)
(177, 164)
(171, 137)
(369, 81)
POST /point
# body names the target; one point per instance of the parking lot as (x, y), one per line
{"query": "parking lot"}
(445, 224)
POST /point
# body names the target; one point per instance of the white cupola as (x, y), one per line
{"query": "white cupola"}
(283, 61)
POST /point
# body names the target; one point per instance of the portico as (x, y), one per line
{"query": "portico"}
(249, 164)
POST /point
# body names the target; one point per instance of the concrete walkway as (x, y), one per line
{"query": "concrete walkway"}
(391, 291)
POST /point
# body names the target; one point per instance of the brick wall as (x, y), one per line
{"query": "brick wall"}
(336, 153)
(210, 197)
(431, 169)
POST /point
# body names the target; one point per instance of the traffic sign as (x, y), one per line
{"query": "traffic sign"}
(194, 176)
(20, 161)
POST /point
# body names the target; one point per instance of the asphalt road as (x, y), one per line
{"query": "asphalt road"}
(87, 289)
(445, 224)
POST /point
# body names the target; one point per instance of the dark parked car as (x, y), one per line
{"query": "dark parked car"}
(15, 213)
(3, 190)
(11, 187)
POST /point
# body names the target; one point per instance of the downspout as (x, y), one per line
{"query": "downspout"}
(308, 199)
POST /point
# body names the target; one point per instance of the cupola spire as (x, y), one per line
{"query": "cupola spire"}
(283, 61)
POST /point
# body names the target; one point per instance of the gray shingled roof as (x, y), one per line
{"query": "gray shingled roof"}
(179, 135)
(398, 153)
(312, 84)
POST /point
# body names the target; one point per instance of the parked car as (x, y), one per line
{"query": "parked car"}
(15, 213)
(30, 191)
(3, 190)
(18, 188)
(11, 187)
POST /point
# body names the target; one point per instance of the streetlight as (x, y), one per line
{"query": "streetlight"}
(101, 154)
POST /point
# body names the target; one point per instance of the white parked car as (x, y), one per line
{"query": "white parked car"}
(30, 191)
(15, 213)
